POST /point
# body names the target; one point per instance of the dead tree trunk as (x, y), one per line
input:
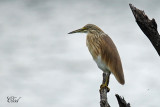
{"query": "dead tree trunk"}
(149, 27)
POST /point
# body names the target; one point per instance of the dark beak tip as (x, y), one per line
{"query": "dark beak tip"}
(70, 32)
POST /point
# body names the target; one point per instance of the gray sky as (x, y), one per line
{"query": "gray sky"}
(46, 67)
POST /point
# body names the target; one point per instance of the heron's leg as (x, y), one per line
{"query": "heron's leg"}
(105, 82)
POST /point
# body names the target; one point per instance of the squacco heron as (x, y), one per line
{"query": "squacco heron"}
(103, 51)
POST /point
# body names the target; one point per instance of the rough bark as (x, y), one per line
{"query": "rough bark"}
(149, 27)
(103, 93)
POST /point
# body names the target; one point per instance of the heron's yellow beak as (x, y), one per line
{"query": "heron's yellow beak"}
(82, 30)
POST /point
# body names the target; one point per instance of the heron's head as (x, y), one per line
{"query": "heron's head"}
(86, 29)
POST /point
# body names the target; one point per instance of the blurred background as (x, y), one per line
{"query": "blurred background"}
(46, 67)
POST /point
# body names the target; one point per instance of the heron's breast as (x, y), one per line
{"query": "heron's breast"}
(94, 47)
(101, 64)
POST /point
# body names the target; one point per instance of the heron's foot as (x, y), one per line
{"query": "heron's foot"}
(104, 86)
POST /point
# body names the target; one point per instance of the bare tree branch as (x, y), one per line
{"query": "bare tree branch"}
(122, 102)
(149, 27)
(103, 95)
